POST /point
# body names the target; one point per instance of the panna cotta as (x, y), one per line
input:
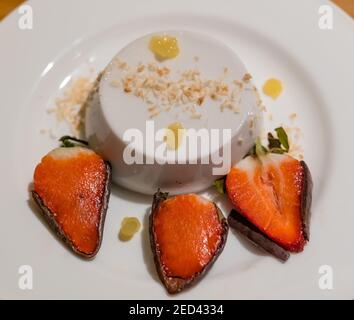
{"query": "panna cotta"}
(173, 110)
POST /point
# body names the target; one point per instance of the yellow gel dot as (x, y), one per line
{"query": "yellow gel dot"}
(273, 88)
(129, 227)
(164, 47)
(174, 135)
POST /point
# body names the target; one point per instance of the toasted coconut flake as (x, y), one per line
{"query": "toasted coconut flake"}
(293, 116)
(247, 77)
(68, 108)
(152, 84)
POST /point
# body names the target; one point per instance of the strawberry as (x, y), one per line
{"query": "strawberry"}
(272, 191)
(71, 187)
(187, 234)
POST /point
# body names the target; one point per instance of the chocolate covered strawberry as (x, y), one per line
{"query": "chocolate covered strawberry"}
(187, 234)
(71, 187)
(271, 191)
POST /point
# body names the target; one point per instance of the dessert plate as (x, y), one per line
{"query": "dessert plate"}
(273, 39)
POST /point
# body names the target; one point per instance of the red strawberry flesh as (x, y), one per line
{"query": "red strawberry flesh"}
(269, 192)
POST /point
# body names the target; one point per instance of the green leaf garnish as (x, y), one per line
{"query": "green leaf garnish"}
(257, 150)
(260, 150)
(69, 142)
(283, 138)
(277, 145)
(219, 184)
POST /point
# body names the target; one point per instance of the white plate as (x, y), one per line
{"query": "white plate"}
(273, 38)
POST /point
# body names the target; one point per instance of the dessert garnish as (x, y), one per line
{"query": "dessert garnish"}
(69, 108)
(162, 89)
(164, 47)
(187, 234)
(219, 185)
(129, 227)
(174, 135)
(72, 188)
(273, 88)
(272, 191)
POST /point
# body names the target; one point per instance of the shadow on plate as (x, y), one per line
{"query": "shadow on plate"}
(146, 246)
(130, 196)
